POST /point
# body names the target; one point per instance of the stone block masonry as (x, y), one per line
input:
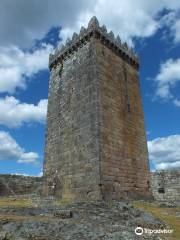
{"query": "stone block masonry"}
(95, 139)
(12, 185)
(166, 185)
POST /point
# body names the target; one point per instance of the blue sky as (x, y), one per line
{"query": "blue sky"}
(30, 31)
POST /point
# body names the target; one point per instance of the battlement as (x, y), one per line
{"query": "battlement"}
(100, 33)
(95, 139)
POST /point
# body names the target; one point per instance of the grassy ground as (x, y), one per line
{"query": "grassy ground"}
(168, 215)
(16, 218)
(20, 202)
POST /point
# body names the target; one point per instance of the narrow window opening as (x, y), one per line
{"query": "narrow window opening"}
(61, 70)
(126, 88)
(148, 184)
(161, 190)
(103, 52)
(128, 107)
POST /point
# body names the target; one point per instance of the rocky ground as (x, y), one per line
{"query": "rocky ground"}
(46, 220)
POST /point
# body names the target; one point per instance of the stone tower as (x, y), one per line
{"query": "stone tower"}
(95, 140)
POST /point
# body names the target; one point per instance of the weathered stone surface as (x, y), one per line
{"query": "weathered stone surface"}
(19, 185)
(72, 152)
(97, 32)
(95, 140)
(123, 150)
(166, 185)
(95, 221)
(63, 213)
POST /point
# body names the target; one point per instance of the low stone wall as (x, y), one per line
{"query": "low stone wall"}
(165, 185)
(11, 185)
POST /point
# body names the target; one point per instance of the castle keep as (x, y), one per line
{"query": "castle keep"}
(95, 140)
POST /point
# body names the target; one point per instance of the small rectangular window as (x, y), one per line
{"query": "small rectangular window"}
(161, 190)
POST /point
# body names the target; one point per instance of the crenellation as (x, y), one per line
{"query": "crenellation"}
(95, 125)
(100, 33)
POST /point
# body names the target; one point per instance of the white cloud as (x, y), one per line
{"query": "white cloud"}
(167, 78)
(128, 18)
(166, 166)
(13, 113)
(21, 174)
(21, 22)
(172, 21)
(16, 66)
(24, 22)
(11, 150)
(28, 157)
(176, 29)
(165, 152)
(169, 72)
(40, 174)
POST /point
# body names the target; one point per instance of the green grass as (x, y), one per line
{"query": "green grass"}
(168, 215)
(65, 201)
(19, 202)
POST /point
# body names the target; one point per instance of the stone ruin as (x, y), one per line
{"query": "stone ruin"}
(18, 185)
(95, 139)
(166, 185)
(96, 145)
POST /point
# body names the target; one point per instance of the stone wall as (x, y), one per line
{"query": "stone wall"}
(123, 146)
(11, 185)
(166, 185)
(95, 139)
(72, 143)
